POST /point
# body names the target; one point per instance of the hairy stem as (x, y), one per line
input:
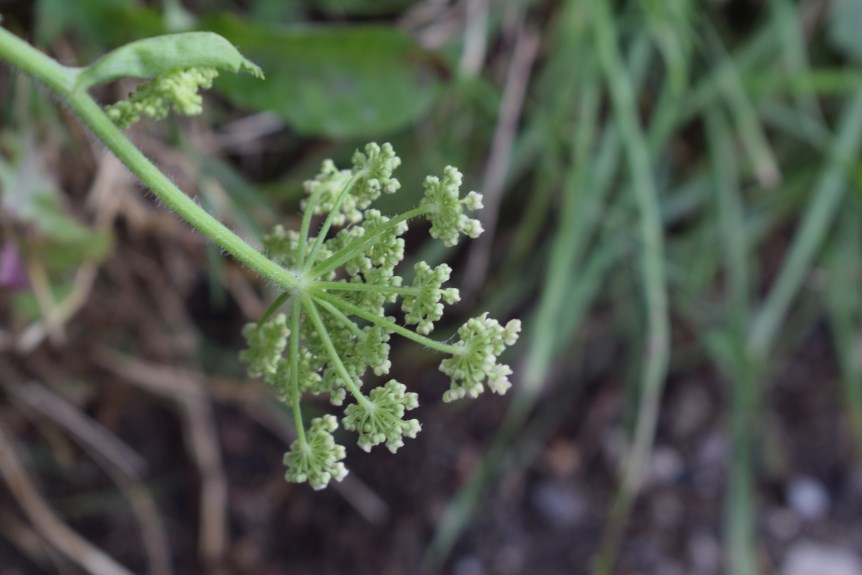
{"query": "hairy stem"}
(60, 79)
(273, 307)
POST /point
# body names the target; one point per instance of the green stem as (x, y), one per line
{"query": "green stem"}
(349, 252)
(307, 214)
(342, 317)
(60, 80)
(330, 217)
(351, 386)
(350, 286)
(20, 54)
(389, 325)
(293, 365)
(273, 307)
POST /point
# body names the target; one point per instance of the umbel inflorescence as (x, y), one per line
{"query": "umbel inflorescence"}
(342, 282)
(339, 286)
(337, 324)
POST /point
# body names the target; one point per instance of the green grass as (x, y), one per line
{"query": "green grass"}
(755, 113)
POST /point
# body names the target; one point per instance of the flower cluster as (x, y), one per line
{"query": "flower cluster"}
(446, 207)
(382, 418)
(372, 170)
(422, 307)
(266, 342)
(340, 323)
(475, 365)
(316, 458)
(154, 99)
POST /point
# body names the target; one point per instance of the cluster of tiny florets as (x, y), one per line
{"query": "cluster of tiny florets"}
(372, 172)
(317, 460)
(446, 207)
(344, 323)
(177, 91)
(422, 307)
(381, 418)
(266, 343)
(482, 341)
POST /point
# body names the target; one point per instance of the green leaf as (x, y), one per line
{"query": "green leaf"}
(105, 23)
(361, 7)
(156, 56)
(340, 82)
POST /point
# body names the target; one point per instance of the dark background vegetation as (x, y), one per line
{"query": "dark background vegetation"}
(702, 153)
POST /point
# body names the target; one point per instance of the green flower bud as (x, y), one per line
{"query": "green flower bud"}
(155, 99)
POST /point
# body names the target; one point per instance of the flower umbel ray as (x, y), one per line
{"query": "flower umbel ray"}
(339, 324)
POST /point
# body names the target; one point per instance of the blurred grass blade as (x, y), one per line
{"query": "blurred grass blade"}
(845, 20)
(845, 315)
(744, 115)
(817, 220)
(786, 18)
(567, 241)
(657, 343)
(739, 522)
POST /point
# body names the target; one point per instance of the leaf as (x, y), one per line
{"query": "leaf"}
(845, 22)
(340, 82)
(153, 57)
(361, 7)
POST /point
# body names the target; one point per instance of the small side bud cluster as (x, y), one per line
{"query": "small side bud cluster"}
(482, 341)
(446, 207)
(266, 343)
(377, 163)
(177, 91)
